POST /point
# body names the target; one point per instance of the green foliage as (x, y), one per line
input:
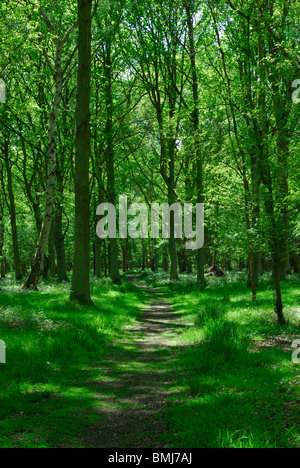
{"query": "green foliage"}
(144, 107)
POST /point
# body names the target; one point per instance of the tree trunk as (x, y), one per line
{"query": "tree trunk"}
(256, 269)
(145, 256)
(172, 240)
(97, 256)
(165, 263)
(59, 234)
(276, 259)
(266, 177)
(12, 212)
(98, 242)
(196, 127)
(51, 247)
(81, 281)
(282, 109)
(125, 252)
(105, 259)
(36, 269)
(2, 259)
(110, 159)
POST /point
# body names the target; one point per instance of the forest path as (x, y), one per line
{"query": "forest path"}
(139, 377)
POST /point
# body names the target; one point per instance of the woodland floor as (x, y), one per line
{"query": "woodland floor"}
(152, 364)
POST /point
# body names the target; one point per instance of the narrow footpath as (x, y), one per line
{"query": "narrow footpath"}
(139, 376)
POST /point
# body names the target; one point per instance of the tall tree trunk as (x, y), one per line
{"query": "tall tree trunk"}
(105, 258)
(255, 255)
(2, 259)
(51, 247)
(172, 240)
(97, 259)
(97, 254)
(28, 186)
(145, 256)
(196, 128)
(170, 179)
(59, 234)
(110, 158)
(274, 241)
(99, 242)
(262, 130)
(167, 169)
(125, 256)
(81, 269)
(255, 268)
(165, 263)
(36, 269)
(282, 109)
(12, 212)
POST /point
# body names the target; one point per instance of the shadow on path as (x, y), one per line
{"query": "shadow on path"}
(137, 380)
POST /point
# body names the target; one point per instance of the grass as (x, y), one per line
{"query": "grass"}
(236, 383)
(52, 345)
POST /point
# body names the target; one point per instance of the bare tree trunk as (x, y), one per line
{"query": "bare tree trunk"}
(81, 281)
(267, 180)
(110, 159)
(172, 240)
(170, 179)
(97, 260)
(36, 269)
(165, 264)
(12, 212)
(28, 187)
(51, 247)
(197, 148)
(98, 243)
(145, 256)
(59, 234)
(2, 259)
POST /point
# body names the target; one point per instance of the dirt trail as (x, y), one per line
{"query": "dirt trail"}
(139, 375)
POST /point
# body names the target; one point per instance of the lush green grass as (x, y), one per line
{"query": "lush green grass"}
(237, 385)
(52, 344)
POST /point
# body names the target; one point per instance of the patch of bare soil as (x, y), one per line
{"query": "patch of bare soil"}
(131, 399)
